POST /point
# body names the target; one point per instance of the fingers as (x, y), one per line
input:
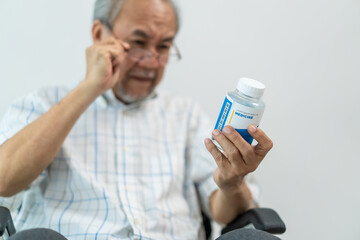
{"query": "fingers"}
(104, 61)
(116, 47)
(230, 150)
(220, 159)
(239, 158)
(116, 54)
(239, 143)
(236, 148)
(264, 142)
(116, 71)
(114, 41)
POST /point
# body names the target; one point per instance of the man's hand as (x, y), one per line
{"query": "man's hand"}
(27, 154)
(239, 157)
(103, 61)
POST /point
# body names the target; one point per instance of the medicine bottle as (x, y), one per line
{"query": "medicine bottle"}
(242, 108)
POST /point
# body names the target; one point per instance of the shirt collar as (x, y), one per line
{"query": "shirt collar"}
(111, 100)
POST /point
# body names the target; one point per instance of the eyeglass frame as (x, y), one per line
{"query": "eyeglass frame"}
(151, 54)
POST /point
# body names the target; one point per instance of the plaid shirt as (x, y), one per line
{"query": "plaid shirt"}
(136, 171)
(124, 172)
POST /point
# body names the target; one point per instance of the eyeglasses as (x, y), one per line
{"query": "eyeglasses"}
(142, 55)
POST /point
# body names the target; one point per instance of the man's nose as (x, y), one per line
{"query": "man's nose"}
(151, 62)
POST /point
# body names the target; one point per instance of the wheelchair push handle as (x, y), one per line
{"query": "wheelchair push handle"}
(6, 222)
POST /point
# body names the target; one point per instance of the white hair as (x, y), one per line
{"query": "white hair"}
(106, 11)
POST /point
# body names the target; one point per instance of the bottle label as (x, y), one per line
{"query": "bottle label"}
(239, 117)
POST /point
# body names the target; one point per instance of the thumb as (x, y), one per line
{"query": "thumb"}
(116, 72)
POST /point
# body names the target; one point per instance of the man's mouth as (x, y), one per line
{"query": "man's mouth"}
(141, 79)
(143, 76)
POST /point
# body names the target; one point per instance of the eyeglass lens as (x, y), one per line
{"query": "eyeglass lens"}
(140, 55)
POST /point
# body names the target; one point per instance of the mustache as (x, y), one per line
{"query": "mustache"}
(142, 73)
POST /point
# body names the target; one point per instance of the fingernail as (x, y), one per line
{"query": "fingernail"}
(126, 45)
(227, 130)
(252, 128)
(216, 132)
(207, 140)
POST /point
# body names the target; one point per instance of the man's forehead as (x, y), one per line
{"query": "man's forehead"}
(158, 11)
(169, 37)
(161, 5)
(147, 18)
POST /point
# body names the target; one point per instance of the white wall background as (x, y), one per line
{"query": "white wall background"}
(307, 52)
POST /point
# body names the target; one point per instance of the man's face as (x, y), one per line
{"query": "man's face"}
(147, 24)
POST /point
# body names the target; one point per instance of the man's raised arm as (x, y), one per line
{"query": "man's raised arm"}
(28, 153)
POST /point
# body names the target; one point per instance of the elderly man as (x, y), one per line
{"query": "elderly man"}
(115, 159)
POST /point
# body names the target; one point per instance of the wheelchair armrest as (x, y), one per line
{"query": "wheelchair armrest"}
(6, 222)
(264, 219)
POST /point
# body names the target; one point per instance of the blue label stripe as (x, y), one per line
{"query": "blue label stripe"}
(246, 135)
(223, 114)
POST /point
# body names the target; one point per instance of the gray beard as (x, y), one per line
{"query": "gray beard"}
(126, 98)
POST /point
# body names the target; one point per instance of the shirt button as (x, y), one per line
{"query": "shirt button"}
(136, 221)
(128, 188)
(126, 149)
(124, 113)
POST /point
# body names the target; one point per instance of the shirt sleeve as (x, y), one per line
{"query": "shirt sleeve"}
(21, 113)
(202, 163)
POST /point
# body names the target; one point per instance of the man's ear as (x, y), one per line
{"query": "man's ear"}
(98, 31)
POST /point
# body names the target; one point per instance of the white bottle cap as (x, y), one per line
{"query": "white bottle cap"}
(251, 87)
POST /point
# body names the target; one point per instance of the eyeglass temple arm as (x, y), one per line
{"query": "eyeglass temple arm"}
(177, 51)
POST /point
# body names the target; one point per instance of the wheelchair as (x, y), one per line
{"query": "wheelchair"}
(254, 224)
